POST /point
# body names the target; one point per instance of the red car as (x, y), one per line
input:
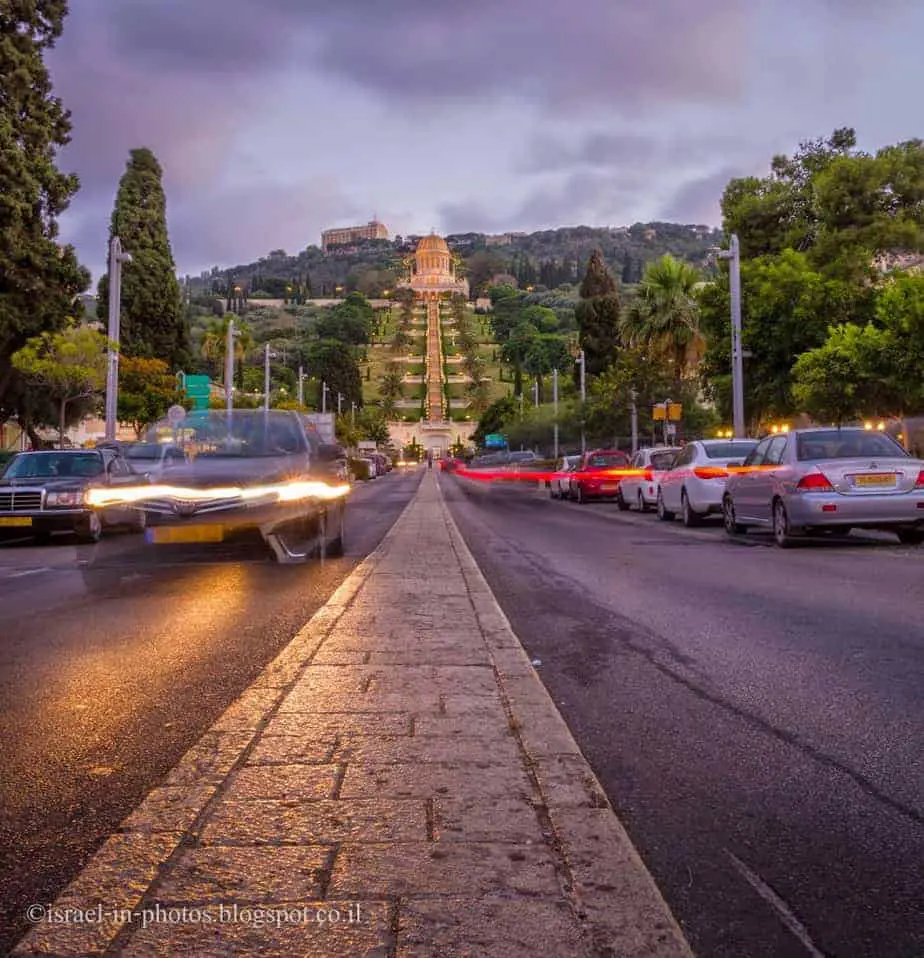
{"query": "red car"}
(587, 484)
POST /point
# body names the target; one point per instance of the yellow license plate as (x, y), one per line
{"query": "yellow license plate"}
(17, 521)
(184, 534)
(610, 486)
(876, 479)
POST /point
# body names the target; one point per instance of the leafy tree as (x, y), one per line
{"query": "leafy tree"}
(69, 366)
(598, 316)
(333, 363)
(392, 388)
(373, 425)
(495, 417)
(215, 341)
(153, 321)
(147, 389)
(664, 316)
(39, 278)
(787, 308)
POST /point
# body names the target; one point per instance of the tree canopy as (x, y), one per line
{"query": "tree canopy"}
(39, 278)
(598, 316)
(153, 323)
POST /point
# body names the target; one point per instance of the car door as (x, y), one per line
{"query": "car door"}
(764, 479)
(671, 481)
(746, 489)
(119, 473)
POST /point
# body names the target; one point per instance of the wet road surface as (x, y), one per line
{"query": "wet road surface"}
(115, 660)
(756, 715)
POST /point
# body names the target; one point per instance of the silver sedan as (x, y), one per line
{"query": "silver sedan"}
(827, 480)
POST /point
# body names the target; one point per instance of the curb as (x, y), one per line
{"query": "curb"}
(119, 876)
(609, 887)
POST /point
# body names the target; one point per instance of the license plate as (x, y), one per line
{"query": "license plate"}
(17, 521)
(610, 486)
(879, 479)
(162, 535)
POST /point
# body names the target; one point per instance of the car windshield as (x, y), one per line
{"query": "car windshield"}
(662, 460)
(146, 451)
(847, 444)
(609, 460)
(729, 450)
(50, 465)
(246, 433)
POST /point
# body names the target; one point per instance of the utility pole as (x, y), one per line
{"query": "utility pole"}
(325, 389)
(301, 386)
(634, 408)
(229, 369)
(582, 361)
(521, 403)
(353, 413)
(339, 403)
(536, 393)
(266, 379)
(733, 254)
(116, 258)
(555, 405)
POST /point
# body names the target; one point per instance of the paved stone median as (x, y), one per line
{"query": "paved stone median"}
(398, 782)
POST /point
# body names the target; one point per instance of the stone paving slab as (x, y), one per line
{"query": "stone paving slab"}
(397, 782)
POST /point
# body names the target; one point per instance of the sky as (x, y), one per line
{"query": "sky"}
(275, 119)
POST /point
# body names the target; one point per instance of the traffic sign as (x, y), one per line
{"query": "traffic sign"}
(175, 415)
(196, 386)
(495, 440)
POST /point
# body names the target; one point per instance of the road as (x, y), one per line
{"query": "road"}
(114, 662)
(755, 715)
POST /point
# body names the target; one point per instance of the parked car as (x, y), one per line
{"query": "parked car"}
(641, 491)
(587, 483)
(255, 477)
(48, 491)
(153, 458)
(695, 482)
(560, 486)
(828, 480)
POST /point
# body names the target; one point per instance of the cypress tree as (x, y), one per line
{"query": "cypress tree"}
(598, 316)
(153, 323)
(39, 279)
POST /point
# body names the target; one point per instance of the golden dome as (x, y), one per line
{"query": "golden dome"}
(432, 244)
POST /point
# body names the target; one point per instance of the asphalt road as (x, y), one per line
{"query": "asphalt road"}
(114, 660)
(756, 715)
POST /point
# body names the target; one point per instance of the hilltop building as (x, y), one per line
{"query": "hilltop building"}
(432, 272)
(348, 235)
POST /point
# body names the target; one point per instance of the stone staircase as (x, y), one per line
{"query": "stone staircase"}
(434, 364)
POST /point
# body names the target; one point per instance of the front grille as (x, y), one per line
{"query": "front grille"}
(20, 501)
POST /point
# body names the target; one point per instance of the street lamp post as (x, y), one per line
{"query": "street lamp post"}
(229, 369)
(266, 378)
(555, 406)
(353, 413)
(634, 409)
(339, 404)
(301, 386)
(536, 393)
(733, 254)
(116, 258)
(325, 389)
(583, 362)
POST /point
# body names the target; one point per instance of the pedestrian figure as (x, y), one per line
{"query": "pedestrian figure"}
(430, 459)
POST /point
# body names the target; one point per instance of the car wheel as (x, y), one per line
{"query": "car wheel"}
(690, 518)
(621, 502)
(732, 527)
(663, 514)
(334, 548)
(90, 529)
(910, 537)
(140, 522)
(642, 505)
(781, 529)
(581, 498)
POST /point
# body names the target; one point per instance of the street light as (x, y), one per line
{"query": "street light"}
(555, 404)
(229, 369)
(339, 403)
(266, 378)
(301, 386)
(733, 254)
(116, 258)
(325, 389)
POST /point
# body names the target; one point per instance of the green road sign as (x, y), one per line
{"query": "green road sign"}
(495, 440)
(199, 390)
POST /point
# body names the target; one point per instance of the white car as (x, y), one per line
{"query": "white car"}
(560, 487)
(642, 491)
(695, 483)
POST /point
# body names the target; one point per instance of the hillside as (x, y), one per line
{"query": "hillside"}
(549, 258)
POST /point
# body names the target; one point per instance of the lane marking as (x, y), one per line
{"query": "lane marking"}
(20, 574)
(782, 910)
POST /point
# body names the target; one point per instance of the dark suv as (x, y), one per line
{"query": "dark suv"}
(45, 492)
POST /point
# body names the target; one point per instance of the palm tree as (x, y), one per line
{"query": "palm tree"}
(214, 342)
(665, 317)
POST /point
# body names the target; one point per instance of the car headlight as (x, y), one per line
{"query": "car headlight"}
(74, 497)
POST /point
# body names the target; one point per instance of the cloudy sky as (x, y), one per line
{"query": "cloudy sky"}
(276, 118)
